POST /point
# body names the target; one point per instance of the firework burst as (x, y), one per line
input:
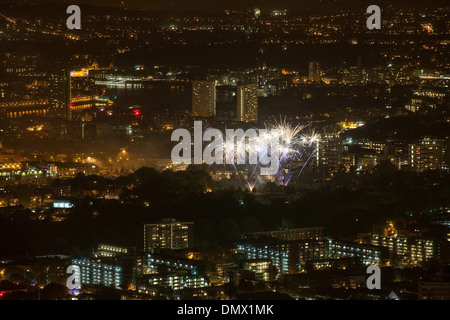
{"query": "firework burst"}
(286, 143)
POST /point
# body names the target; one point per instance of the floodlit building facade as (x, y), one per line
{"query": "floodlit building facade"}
(410, 249)
(94, 272)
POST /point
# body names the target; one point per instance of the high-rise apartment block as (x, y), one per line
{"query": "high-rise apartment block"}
(314, 71)
(330, 152)
(247, 103)
(203, 99)
(60, 94)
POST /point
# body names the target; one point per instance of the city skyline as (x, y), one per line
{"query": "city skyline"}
(96, 204)
(266, 5)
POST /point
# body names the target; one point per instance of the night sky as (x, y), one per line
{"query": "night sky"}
(214, 5)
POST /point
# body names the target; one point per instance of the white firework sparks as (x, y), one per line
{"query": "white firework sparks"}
(287, 144)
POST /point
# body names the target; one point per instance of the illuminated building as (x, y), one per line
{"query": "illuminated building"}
(367, 162)
(26, 171)
(108, 251)
(437, 289)
(346, 125)
(339, 263)
(428, 154)
(70, 169)
(330, 152)
(150, 263)
(61, 209)
(278, 12)
(55, 268)
(434, 93)
(18, 109)
(368, 254)
(247, 103)
(175, 281)
(442, 217)
(278, 253)
(62, 204)
(169, 234)
(286, 256)
(95, 272)
(60, 94)
(353, 76)
(79, 73)
(290, 234)
(286, 248)
(314, 71)
(415, 105)
(409, 249)
(203, 99)
(184, 293)
(377, 147)
(349, 161)
(262, 268)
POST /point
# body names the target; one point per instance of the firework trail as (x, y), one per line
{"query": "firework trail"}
(285, 142)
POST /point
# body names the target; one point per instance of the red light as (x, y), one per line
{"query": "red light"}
(136, 112)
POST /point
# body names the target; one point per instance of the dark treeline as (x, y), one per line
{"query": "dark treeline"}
(349, 203)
